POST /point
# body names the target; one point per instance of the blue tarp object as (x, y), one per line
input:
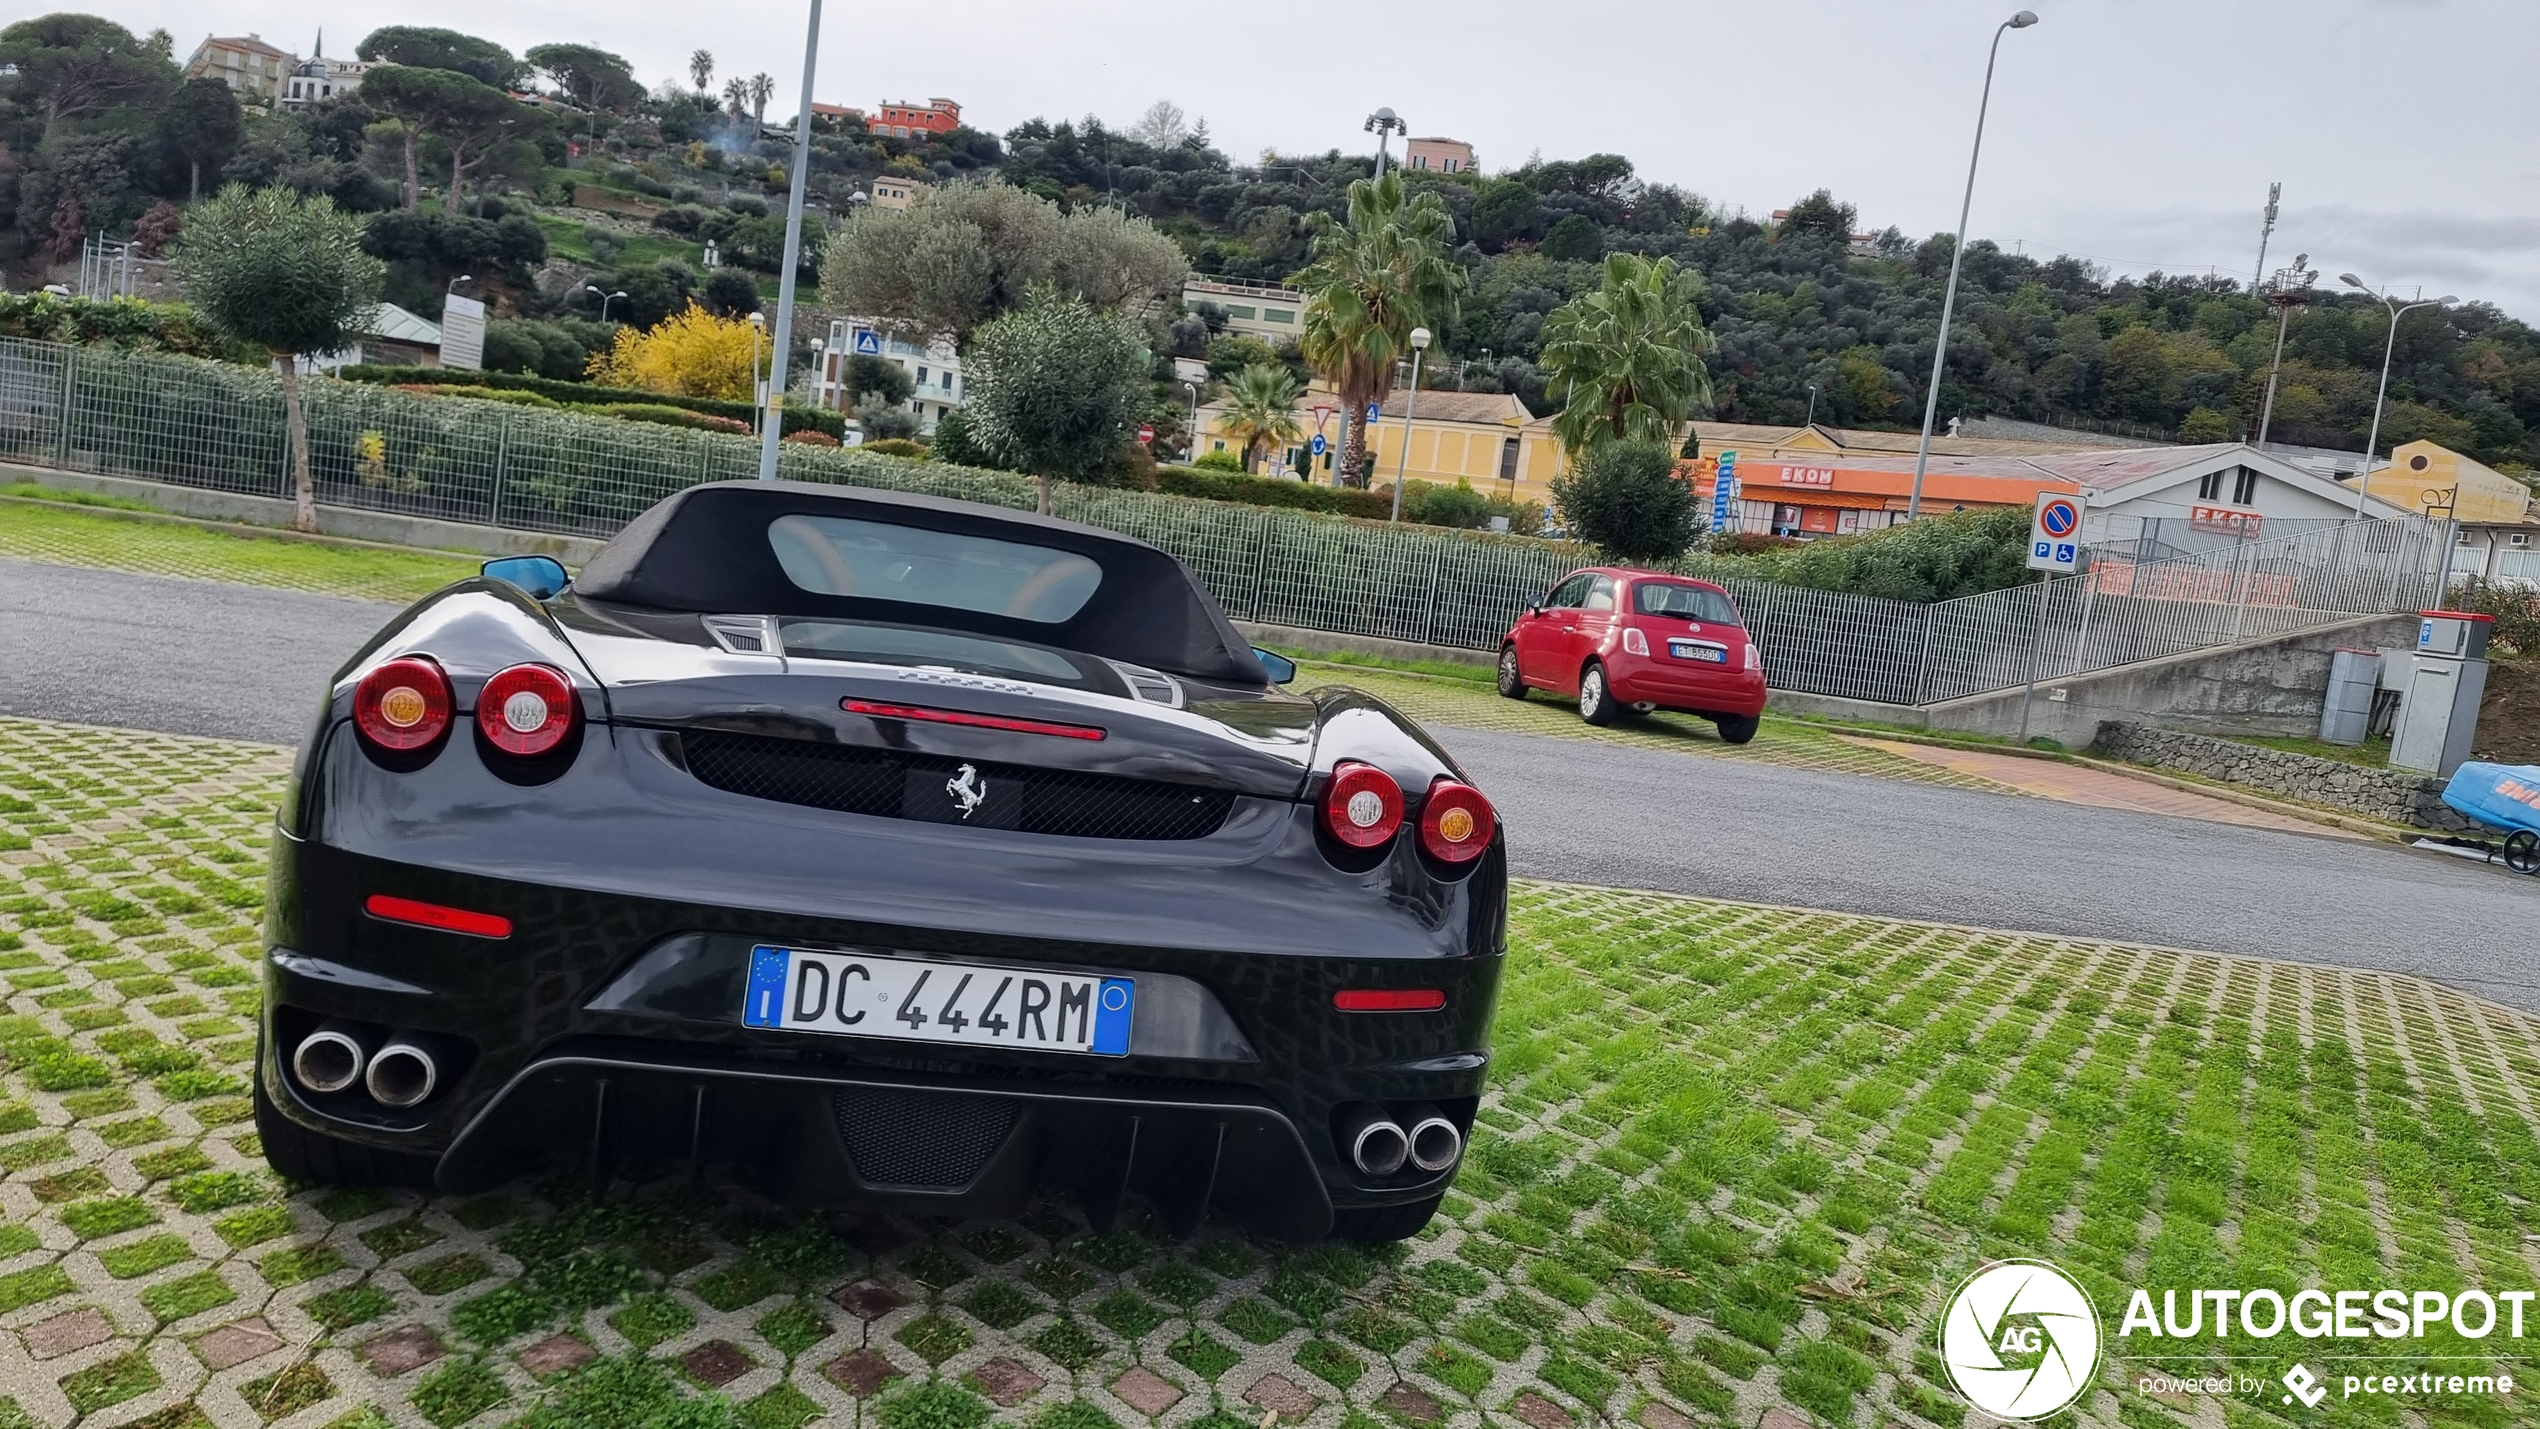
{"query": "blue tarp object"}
(2504, 795)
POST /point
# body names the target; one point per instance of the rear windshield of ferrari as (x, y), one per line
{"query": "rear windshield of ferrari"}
(1684, 602)
(875, 560)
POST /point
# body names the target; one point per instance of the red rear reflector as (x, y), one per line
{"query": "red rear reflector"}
(433, 915)
(875, 709)
(1389, 999)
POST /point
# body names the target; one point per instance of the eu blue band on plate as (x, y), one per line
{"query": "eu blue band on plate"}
(765, 1005)
(1112, 1006)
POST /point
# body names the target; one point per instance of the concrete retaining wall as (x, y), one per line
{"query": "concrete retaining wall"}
(2386, 794)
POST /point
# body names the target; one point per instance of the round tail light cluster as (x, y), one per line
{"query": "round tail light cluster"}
(402, 705)
(1456, 822)
(527, 709)
(1363, 806)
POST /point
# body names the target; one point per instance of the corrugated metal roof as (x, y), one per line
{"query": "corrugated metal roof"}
(394, 324)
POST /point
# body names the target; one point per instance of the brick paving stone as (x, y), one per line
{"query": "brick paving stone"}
(555, 1354)
(237, 1344)
(399, 1351)
(1282, 1396)
(864, 1372)
(1147, 1392)
(716, 1363)
(1006, 1382)
(1542, 1413)
(72, 1330)
(1419, 1407)
(1655, 1415)
(867, 1299)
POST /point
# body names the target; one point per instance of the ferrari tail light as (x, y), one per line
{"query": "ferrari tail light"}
(1363, 806)
(527, 709)
(1456, 822)
(402, 704)
(1634, 642)
(1754, 657)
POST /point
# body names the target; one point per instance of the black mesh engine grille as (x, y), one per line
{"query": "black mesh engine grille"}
(892, 784)
(936, 1140)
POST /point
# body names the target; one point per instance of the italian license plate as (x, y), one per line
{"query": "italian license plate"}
(1698, 650)
(913, 1000)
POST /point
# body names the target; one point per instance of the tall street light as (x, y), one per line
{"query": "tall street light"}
(2390, 345)
(1384, 121)
(774, 429)
(1957, 255)
(605, 299)
(1402, 467)
(1193, 389)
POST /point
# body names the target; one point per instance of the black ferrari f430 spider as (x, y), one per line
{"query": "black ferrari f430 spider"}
(876, 850)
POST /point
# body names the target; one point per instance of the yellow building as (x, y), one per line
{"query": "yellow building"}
(2428, 479)
(1485, 438)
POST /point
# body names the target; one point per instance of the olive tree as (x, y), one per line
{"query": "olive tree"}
(287, 273)
(1056, 388)
(1628, 498)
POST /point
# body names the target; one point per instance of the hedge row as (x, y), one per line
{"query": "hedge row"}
(585, 394)
(1266, 491)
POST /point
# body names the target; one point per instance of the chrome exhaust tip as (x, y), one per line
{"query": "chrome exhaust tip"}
(1435, 1144)
(1377, 1143)
(402, 1074)
(329, 1059)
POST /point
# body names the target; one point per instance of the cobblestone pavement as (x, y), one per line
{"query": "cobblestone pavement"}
(1731, 1160)
(1470, 705)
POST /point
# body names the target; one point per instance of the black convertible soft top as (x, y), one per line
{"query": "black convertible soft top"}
(707, 550)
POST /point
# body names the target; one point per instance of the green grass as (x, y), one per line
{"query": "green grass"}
(100, 537)
(1336, 665)
(1728, 1156)
(2371, 754)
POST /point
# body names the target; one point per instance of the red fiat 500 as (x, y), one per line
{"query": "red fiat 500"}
(1629, 642)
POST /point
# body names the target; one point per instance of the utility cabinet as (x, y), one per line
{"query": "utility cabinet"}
(2440, 715)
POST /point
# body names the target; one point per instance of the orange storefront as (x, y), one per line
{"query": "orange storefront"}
(1778, 496)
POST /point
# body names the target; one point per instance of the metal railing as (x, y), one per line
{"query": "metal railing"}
(208, 424)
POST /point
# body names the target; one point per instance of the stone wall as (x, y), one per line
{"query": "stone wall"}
(2391, 795)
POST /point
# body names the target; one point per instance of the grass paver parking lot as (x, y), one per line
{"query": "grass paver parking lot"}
(1732, 1159)
(102, 538)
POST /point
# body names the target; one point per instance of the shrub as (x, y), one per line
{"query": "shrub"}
(2516, 608)
(481, 394)
(668, 416)
(692, 353)
(119, 322)
(811, 439)
(1628, 498)
(1219, 461)
(797, 418)
(896, 446)
(1936, 558)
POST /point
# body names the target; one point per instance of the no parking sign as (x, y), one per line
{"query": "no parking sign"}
(2054, 534)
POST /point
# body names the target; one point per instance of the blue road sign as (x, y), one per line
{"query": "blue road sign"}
(1374, 411)
(868, 343)
(1318, 444)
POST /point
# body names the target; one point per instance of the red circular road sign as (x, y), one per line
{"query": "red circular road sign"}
(1146, 436)
(2058, 518)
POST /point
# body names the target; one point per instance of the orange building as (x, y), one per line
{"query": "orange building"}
(904, 118)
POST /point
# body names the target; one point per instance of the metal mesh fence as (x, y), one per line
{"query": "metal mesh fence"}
(209, 424)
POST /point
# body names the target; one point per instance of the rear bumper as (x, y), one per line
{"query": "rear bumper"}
(1676, 684)
(922, 1144)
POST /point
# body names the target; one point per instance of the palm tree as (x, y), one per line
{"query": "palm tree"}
(736, 97)
(762, 89)
(1374, 277)
(701, 69)
(1261, 408)
(1626, 359)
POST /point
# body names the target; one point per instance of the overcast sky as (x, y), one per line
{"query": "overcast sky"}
(2139, 133)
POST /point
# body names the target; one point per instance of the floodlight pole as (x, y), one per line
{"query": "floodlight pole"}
(2389, 347)
(1402, 466)
(1957, 255)
(773, 430)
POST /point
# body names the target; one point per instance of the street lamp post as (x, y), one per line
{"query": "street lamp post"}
(1193, 389)
(1957, 255)
(453, 289)
(1410, 399)
(819, 368)
(605, 299)
(758, 391)
(773, 430)
(1381, 123)
(1812, 406)
(2389, 346)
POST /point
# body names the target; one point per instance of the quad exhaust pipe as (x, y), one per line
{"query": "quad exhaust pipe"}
(398, 1071)
(1377, 1143)
(331, 1058)
(1433, 1142)
(402, 1073)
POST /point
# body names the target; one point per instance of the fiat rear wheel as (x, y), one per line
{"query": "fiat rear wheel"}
(1597, 704)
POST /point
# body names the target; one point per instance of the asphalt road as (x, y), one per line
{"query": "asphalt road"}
(198, 657)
